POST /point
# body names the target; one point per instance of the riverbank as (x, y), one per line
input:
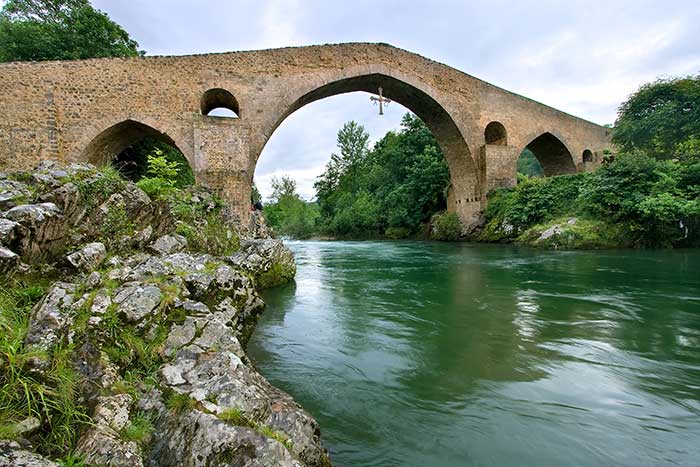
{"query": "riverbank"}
(124, 320)
(633, 202)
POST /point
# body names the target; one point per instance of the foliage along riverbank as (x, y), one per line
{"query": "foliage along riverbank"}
(397, 189)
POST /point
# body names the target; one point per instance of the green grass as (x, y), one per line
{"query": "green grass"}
(52, 397)
(236, 416)
(179, 402)
(140, 429)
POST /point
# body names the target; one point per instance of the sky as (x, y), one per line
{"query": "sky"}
(582, 57)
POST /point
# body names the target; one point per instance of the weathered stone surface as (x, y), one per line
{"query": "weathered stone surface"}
(51, 317)
(101, 445)
(27, 426)
(13, 193)
(8, 232)
(270, 85)
(9, 262)
(137, 300)
(12, 455)
(88, 258)
(168, 244)
(197, 439)
(93, 280)
(269, 260)
(42, 232)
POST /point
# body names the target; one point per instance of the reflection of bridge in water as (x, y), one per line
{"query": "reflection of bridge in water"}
(92, 110)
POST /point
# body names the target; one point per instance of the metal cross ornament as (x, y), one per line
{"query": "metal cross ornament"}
(381, 99)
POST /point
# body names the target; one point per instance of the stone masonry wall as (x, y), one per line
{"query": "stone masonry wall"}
(54, 110)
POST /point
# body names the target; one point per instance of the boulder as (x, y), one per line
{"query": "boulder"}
(9, 262)
(268, 260)
(197, 439)
(137, 300)
(168, 244)
(88, 258)
(50, 319)
(8, 232)
(13, 193)
(102, 445)
(42, 232)
(12, 455)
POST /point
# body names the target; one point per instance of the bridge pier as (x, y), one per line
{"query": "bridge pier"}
(222, 162)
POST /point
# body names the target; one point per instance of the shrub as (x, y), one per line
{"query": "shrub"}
(446, 227)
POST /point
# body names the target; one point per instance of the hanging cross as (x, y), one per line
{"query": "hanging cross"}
(382, 100)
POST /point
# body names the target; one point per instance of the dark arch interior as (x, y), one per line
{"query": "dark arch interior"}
(126, 146)
(552, 155)
(219, 103)
(445, 130)
(587, 156)
(495, 133)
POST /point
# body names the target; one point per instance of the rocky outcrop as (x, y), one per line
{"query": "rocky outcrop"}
(45, 211)
(155, 333)
(13, 455)
(267, 259)
(88, 258)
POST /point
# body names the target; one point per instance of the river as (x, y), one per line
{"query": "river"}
(430, 354)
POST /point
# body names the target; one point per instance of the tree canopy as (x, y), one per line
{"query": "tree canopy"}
(660, 118)
(60, 30)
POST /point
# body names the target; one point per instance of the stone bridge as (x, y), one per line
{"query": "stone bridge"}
(91, 110)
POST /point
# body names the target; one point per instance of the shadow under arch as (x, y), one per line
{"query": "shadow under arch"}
(441, 124)
(552, 154)
(111, 142)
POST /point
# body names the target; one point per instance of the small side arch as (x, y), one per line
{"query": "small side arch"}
(587, 155)
(219, 102)
(495, 134)
(552, 154)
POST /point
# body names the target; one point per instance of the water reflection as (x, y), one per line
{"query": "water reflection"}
(433, 354)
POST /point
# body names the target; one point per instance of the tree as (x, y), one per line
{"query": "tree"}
(660, 116)
(60, 30)
(389, 190)
(287, 213)
(283, 187)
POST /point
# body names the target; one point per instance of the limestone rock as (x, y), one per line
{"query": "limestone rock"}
(9, 262)
(13, 193)
(12, 455)
(88, 258)
(93, 280)
(268, 259)
(42, 232)
(168, 244)
(51, 317)
(137, 300)
(27, 426)
(8, 232)
(101, 445)
(198, 439)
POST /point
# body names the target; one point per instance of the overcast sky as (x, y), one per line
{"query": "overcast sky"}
(582, 57)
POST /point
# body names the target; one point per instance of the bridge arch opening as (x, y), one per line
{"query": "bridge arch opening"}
(127, 145)
(552, 155)
(587, 155)
(463, 193)
(495, 134)
(219, 102)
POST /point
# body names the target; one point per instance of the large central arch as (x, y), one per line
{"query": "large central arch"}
(464, 196)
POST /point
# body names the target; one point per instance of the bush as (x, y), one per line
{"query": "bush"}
(446, 227)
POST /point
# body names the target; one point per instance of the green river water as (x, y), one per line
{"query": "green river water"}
(428, 354)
